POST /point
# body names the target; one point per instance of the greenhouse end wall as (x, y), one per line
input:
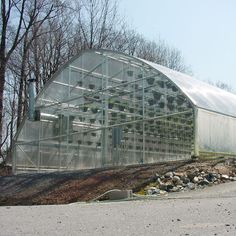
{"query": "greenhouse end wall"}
(106, 109)
(216, 133)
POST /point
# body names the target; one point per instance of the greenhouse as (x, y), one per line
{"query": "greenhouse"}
(105, 108)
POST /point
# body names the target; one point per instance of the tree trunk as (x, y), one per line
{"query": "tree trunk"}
(22, 92)
(20, 103)
(36, 65)
(10, 151)
(2, 83)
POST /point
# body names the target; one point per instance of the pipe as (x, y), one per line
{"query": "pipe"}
(31, 91)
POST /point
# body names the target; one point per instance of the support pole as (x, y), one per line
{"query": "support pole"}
(143, 111)
(14, 157)
(196, 139)
(105, 114)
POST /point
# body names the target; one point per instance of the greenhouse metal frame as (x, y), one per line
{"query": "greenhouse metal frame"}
(105, 108)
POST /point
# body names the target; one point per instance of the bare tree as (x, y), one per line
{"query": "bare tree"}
(96, 23)
(222, 85)
(10, 113)
(52, 49)
(17, 19)
(127, 42)
(160, 53)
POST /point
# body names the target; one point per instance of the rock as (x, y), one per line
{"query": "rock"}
(216, 175)
(209, 177)
(195, 179)
(213, 180)
(190, 186)
(203, 182)
(200, 178)
(159, 182)
(185, 179)
(179, 174)
(192, 174)
(162, 192)
(169, 187)
(148, 192)
(163, 187)
(180, 187)
(157, 191)
(169, 175)
(157, 175)
(233, 178)
(153, 190)
(175, 189)
(219, 176)
(225, 177)
(210, 184)
(176, 180)
(162, 177)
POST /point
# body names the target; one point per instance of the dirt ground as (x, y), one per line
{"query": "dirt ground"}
(85, 185)
(5, 170)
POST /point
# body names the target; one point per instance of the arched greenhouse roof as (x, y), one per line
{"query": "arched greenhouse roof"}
(201, 94)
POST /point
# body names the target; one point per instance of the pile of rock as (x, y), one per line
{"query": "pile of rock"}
(184, 181)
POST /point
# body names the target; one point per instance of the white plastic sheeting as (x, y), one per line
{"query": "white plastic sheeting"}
(216, 133)
(201, 94)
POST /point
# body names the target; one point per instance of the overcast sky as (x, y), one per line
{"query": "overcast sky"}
(204, 31)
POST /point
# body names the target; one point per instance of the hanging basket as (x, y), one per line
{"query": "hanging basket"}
(151, 102)
(122, 116)
(150, 81)
(85, 109)
(91, 86)
(130, 73)
(94, 110)
(114, 114)
(110, 105)
(121, 107)
(131, 110)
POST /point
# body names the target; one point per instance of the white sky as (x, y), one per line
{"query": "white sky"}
(204, 31)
